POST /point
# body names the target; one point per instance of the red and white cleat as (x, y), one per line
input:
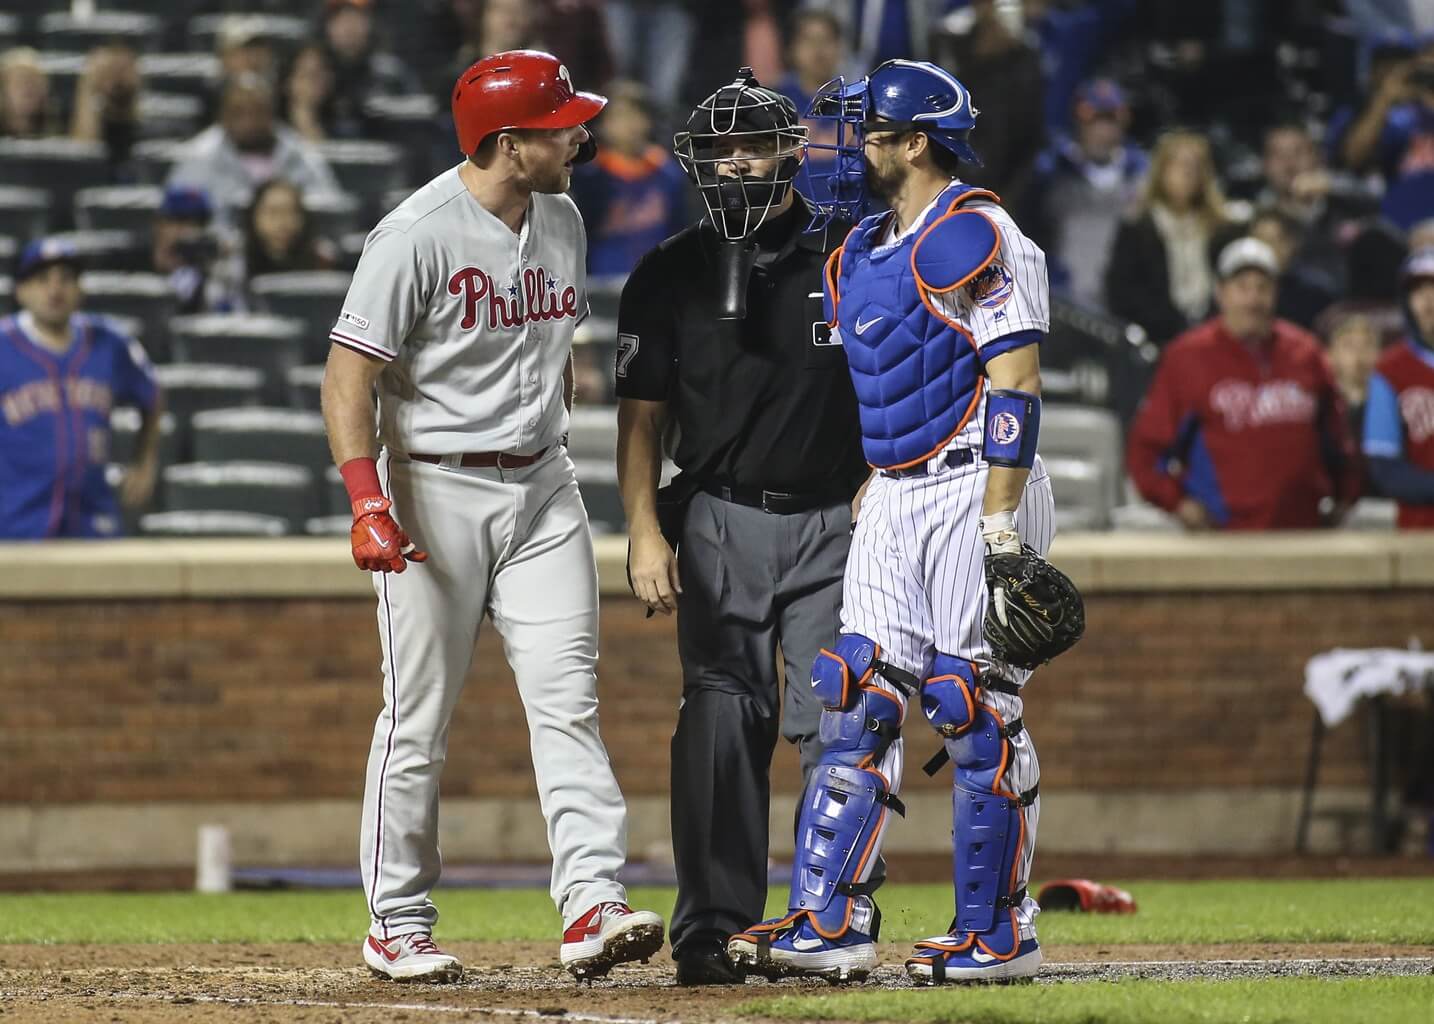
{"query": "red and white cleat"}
(607, 935)
(411, 957)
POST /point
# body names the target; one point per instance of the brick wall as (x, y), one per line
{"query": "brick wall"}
(261, 699)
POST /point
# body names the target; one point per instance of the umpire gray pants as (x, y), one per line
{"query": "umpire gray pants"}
(751, 582)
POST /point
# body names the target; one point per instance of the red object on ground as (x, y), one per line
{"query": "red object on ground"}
(1083, 894)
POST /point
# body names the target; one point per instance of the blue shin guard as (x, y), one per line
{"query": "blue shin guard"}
(989, 833)
(842, 817)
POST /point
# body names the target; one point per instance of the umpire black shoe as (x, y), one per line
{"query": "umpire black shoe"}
(704, 962)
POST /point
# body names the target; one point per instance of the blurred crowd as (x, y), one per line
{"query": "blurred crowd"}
(1136, 142)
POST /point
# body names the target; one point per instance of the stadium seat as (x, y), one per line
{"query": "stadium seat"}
(117, 208)
(367, 169)
(63, 69)
(1372, 514)
(329, 526)
(193, 74)
(24, 212)
(270, 344)
(350, 249)
(8, 250)
(336, 496)
(105, 250)
(63, 30)
(154, 157)
(212, 524)
(7, 295)
(1085, 432)
(334, 214)
(304, 383)
(60, 166)
(129, 517)
(124, 436)
(1140, 515)
(262, 435)
(130, 327)
(597, 480)
(9, 30)
(146, 297)
(286, 30)
(311, 298)
(35, 9)
(164, 115)
(409, 122)
(268, 488)
(604, 293)
(191, 388)
(592, 432)
(1074, 520)
(1079, 487)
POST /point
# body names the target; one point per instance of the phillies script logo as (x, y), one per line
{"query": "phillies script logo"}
(1241, 404)
(540, 298)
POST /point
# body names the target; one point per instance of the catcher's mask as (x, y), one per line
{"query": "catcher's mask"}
(741, 122)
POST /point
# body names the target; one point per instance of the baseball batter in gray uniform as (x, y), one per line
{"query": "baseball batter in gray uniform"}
(461, 317)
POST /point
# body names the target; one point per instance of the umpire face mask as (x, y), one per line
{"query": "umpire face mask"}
(742, 148)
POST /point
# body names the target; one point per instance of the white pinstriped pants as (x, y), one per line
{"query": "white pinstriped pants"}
(915, 583)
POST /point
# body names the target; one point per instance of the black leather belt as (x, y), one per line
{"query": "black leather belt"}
(778, 503)
(953, 457)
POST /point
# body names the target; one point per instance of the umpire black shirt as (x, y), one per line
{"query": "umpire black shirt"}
(765, 402)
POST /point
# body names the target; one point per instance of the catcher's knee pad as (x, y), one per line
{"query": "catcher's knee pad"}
(989, 821)
(839, 673)
(948, 695)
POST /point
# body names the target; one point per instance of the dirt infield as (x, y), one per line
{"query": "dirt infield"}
(279, 984)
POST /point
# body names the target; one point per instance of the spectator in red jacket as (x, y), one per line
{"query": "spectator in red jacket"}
(1399, 416)
(1243, 427)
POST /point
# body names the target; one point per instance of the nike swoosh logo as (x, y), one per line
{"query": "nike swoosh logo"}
(377, 539)
(982, 958)
(806, 944)
(383, 950)
(861, 327)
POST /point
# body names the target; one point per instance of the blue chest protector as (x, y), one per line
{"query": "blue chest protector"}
(917, 375)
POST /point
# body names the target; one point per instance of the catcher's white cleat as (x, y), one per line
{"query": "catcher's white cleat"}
(411, 957)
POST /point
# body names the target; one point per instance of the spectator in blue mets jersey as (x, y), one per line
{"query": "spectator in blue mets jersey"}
(61, 372)
(633, 195)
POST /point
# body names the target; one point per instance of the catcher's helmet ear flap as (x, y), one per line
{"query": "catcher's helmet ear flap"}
(517, 89)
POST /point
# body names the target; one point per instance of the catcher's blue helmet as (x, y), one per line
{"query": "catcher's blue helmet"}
(901, 94)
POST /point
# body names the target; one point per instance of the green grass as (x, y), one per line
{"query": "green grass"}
(1266, 1001)
(1392, 911)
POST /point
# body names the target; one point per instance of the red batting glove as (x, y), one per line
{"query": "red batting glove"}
(379, 545)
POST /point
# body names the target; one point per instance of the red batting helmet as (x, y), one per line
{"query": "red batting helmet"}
(518, 89)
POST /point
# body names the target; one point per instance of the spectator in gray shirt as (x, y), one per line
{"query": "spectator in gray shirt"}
(1085, 184)
(247, 148)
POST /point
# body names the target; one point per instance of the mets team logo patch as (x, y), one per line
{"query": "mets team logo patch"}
(992, 287)
(1005, 428)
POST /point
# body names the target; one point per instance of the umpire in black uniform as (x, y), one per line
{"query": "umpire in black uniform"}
(722, 334)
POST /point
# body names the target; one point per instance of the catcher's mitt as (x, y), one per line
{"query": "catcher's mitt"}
(1034, 613)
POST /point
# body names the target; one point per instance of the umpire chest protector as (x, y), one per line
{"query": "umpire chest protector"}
(916, 373)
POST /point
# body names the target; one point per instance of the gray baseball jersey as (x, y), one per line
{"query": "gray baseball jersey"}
(477, 321)
(477, 325)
